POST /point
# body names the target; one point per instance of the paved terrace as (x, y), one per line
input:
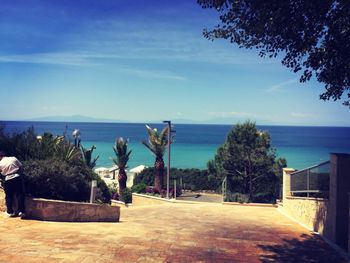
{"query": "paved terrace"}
(167, 233)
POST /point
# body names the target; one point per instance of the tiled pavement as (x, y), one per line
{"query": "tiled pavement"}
(167, 233)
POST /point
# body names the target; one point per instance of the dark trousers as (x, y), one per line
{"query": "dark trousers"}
(14, 188)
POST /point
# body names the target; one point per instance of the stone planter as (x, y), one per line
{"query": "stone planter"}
(64, 211)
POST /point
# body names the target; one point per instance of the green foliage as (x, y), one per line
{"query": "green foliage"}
(139, 188)
(87, 156)
(314, 37)
(53, 167)
(146, 177)
(23, 145)
(54, 179)
(157, 141)
(192, 179)
(278, 166)
(27, 145)
(237, 197)
(248, 162)
(64, 150)
(121, 151)
(126, 196)
(113, 190)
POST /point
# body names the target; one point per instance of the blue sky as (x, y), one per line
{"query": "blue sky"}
(143, 61)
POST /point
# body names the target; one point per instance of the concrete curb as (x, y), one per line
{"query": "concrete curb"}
(250, 204)
(166, 200)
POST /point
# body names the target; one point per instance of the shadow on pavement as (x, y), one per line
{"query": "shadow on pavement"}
(306, 249)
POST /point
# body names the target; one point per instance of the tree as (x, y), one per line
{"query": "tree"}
(278, 170)
(247, 160)
(121, 151)
(157, 142)
(313, 36)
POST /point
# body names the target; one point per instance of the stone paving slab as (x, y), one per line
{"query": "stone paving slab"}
(169, 232)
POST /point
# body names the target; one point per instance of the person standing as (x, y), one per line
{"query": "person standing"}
(13, 184)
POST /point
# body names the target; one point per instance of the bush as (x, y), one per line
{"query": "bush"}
(53, 179)
(146, 177)
(264, 198)
(113, 190)
(139, 188)
(237, 197)
(126, 196)
(192, 179)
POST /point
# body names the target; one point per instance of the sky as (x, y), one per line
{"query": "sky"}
(143, 61)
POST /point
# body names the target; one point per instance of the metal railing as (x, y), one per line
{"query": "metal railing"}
(312, 181)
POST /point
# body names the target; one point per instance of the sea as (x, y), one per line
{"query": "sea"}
(195, 144)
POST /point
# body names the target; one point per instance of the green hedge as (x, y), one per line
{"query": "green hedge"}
(192, 179)
(53, 179)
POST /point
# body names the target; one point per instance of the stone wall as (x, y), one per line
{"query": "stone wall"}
(328, 217)
(311, 212)
(56, 210)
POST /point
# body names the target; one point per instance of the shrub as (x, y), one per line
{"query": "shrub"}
(193, 179)
(139, 188)
(264, 198)
(237, 197)
(53, 179)
(146, 177)
(126, 196)
(113, 190)
(149, 189)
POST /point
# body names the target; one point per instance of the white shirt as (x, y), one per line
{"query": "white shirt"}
(9, 167)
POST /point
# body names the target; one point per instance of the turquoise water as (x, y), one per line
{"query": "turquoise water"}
(196, 156)
(196, 144)
(182, 155)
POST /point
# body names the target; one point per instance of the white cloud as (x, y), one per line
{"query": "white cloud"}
(87, 59)
(281, 85)
(72, 59)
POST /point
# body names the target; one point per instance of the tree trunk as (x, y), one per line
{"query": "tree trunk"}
(159, 173)
(122, 178)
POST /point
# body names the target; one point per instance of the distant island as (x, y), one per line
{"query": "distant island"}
(82, 118)
(213, 121)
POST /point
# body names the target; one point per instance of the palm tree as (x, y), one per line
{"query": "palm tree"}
(157, 143)
(121, 151)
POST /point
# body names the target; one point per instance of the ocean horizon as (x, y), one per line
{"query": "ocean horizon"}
(196, 144)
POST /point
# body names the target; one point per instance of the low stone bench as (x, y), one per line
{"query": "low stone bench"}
(65, 211)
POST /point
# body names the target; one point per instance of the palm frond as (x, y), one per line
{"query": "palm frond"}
(120, 149)
(149, 146)
(156, 141)
(163, 137)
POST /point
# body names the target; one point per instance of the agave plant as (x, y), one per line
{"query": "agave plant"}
(121, 151)
(87, 156)
(64, 150)
(157, 142)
